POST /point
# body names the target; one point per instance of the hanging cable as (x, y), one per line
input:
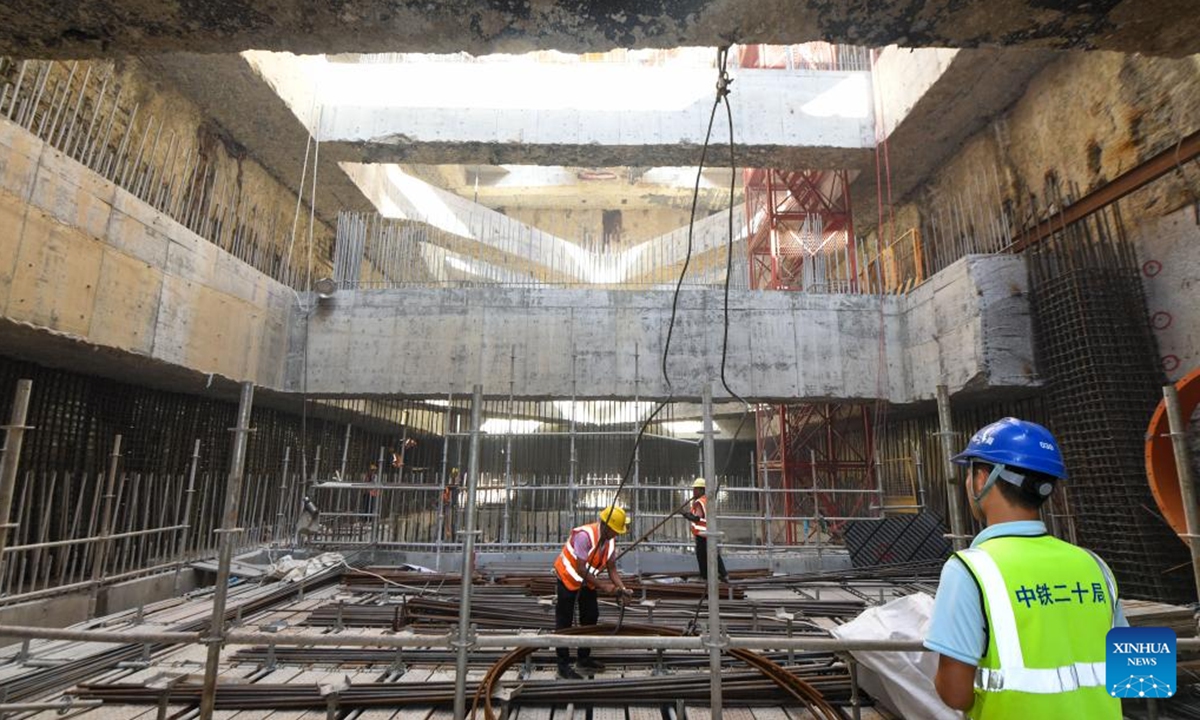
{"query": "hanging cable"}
(723, 92)
(723, 82)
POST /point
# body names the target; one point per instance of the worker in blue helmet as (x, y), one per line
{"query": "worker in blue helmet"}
(1020, 618)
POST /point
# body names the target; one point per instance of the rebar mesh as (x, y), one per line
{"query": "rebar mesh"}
(1103, 380)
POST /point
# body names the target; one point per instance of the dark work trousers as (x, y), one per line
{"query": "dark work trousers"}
(702, 558)
(564, 615)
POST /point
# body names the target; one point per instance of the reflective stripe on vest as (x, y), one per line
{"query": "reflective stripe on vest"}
(701, 526)
(1005, 673)
(564, 564)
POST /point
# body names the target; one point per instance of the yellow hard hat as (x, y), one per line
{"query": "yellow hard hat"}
(615, 518)
(698, 483)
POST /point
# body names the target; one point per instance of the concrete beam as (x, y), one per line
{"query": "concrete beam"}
(598, 115)
(968, 327)
(45, 28)
(230, 91)
(931, 102)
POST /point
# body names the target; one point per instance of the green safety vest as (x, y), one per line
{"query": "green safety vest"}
(1048, 607)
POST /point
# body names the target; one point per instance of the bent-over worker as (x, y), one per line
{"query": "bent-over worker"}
(589, 549)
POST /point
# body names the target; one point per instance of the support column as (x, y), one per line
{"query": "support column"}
(233, 494)
(1183, 467)
(715, 640)
(13, 438)
(468, 562)
(954, 508)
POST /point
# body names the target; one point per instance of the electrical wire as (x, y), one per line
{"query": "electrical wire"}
(722, 93)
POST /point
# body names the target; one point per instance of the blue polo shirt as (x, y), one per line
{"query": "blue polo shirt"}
(956, 628)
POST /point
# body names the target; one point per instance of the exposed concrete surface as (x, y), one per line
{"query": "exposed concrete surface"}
(231, 92)
(54, 612)
(933, 102)
(1169, 251)
(70, 608)
(82, 258)
(132, 593)
(994, 286)
(522, 252)
(607, 344)
(44, 28)
(597, 114)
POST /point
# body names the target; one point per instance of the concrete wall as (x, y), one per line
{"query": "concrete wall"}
(607, 344)
(82, 258)
(68, 609)
(1169, 251)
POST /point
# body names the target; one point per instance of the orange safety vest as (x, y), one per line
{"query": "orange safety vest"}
(700, 507)
(564, 565)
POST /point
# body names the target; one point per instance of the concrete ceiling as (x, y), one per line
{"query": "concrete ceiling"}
(576, 188)
(51, 28)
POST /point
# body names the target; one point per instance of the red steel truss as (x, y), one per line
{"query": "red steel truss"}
(798, 217)
(821, 453)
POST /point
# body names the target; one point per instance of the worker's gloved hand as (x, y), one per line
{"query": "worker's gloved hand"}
(690, 517)
(624, 595)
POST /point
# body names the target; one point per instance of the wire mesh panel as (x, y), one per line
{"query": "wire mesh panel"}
(1104, 382)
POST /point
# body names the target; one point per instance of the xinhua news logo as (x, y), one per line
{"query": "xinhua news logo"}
(1140, 662)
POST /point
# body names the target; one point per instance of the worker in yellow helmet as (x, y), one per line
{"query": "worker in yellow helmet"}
(698, 517)
(588, 550)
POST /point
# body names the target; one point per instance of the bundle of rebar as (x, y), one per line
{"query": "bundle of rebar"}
(533, 613)
(43, 681)
(741, 687)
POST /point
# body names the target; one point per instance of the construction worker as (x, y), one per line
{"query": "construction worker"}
(698, 517)
(1020, 618)
(588, 550)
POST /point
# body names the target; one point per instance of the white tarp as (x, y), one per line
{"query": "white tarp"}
(289, 569)
(901, 681)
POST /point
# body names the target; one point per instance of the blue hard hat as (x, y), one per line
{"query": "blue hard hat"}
(1016, 444)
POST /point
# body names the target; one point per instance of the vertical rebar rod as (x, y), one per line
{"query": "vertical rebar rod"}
(345, 452)
(574, 457)
(919, 464)
(106, 520)
(715, 635)
(14, 436)
(233, 494)
(441, 501)
(505, 531)
(186, 520)
(953, 500)
(285, 503)
(1183, 466)
(464, 614)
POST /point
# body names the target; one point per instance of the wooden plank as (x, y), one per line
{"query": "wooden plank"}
(534, 712)
(696, 712)
(769, 713)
